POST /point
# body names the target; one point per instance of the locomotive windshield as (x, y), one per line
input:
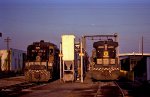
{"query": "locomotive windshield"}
(39, 52)
(35, 53)
(105, 49)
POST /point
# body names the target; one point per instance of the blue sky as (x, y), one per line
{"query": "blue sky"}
(25, 21)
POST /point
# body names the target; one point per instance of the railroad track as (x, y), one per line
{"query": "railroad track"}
(109, 89)
(15, 90)
(121, 90)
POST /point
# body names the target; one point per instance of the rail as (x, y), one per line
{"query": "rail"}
(109, 89)
(123, 95)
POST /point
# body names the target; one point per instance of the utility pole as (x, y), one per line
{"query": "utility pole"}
(0, 34)
(60, 56)
(81, 55)
(7, 40)
(142, 46)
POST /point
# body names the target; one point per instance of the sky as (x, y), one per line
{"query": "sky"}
(27, 21)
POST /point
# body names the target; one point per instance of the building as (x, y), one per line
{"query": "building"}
(135, 66)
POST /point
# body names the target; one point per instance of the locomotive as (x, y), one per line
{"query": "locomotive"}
(42, 62)
(105, 60)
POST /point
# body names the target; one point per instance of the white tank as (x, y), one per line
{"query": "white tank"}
(68, 47)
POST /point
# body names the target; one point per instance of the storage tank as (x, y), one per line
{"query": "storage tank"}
(68, 43)
(68, 47)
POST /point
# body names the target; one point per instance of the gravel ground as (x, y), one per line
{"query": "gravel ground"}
(59, 89)
(11, 81)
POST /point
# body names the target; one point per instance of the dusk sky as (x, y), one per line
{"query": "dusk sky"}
(27, 21)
